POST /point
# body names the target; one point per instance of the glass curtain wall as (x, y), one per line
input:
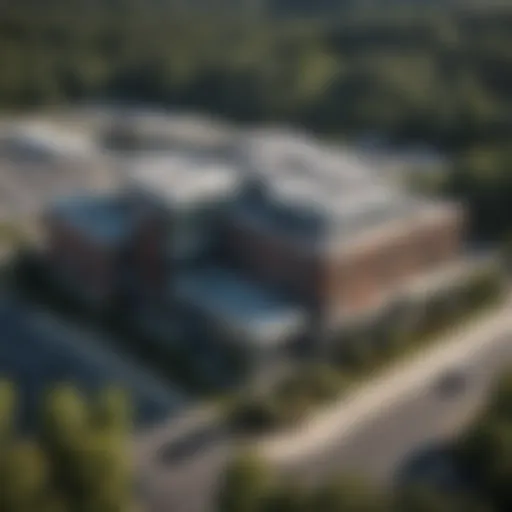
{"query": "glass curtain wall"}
(194, 232)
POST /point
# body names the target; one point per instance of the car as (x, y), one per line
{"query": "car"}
(187, 447)
(452, 382)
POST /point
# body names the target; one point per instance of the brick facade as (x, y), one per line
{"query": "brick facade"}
(149, 254)
(359, 279)
(330, 283)
(355, 279)
(271, 260)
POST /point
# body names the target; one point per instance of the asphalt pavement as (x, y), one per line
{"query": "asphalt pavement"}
(404, 378)
(379, 448)
(384, 447)
(36, 350)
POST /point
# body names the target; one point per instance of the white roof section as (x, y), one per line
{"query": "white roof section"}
(280, 153)
(337, 189)
(43, 140)
(260, 316)
(183, 179)
(296, 167)
(41, 160)
(332, 191)
(198, 129)
(277, 152)
(161, 130)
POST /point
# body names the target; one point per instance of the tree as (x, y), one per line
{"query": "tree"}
(359, 352)
(397, 340)
(349, 494)
(484, 452)
(65, 409)
(506, 252)
(54, 502)
(286, 497)
(322, 382)
(451, 87)
(73, 464)
(254, 414)
(24, 477)
(500, 404)
(7, 409)
(422, 498)
(244, 485)
(113, 410)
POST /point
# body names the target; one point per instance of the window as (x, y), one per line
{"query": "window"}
(192, 233)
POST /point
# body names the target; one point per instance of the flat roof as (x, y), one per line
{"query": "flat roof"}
(317, 194)
(49, 140)
(332, 193)
(164, 130)
(242, 304)
(183, 178)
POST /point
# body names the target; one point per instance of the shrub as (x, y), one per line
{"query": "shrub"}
(359, 354)
(397, 340)
(315, 382)
(434, 315)
(484, 286)
(244, 485)
(254, 415)
(322, 382)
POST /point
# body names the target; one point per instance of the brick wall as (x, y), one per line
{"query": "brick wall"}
(355, 280)
(358, 280)
(271, 260)
(150, 255)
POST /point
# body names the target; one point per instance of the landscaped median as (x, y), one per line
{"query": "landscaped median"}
(362, 355)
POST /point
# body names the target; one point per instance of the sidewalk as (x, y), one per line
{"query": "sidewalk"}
(405, 377)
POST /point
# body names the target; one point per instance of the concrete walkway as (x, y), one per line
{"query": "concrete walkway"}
(397, 383)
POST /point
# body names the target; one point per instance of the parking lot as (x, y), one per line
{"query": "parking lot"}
(37, 351)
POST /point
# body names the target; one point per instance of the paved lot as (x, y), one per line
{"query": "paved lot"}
(36, 350)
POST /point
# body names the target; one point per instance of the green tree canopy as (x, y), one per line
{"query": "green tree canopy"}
(244, 485)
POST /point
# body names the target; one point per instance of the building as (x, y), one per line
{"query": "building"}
(143, 130)
(87, 241)
(42, 160)
(278, 238)
(326, 229)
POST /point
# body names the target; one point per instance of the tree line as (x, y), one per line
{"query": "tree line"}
(442, 76)
(76, 460)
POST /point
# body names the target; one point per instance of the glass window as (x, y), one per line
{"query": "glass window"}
(191, 233)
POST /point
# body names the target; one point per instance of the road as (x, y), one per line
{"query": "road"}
(381, 448)
(377, 445)
(188, 483)
(404, 378)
